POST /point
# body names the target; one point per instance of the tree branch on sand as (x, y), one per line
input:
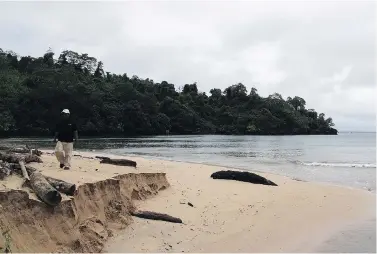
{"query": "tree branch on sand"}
(156, 216)
(118, 162)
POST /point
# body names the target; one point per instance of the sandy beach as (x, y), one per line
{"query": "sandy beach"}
(227, 216)
(230, 216)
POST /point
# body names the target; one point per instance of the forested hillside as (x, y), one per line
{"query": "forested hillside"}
(33, 92)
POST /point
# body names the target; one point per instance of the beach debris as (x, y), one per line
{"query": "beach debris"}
(298, 179)
(24, 149)
(188, 203)
(44, 190)
(102, 157)
(156, 216)
(118, 162)
(62, 186)
(242, 176)
(16, 167)
(15, 158)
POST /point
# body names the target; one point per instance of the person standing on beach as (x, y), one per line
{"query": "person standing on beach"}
(65, 135)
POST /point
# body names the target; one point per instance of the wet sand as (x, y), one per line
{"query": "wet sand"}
(358, 238)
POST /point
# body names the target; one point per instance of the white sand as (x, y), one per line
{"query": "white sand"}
(231, 216)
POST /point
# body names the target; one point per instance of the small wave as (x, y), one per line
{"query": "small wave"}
(342, 165)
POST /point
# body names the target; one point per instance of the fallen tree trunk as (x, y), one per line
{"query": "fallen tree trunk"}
(10, 158)
(242, 176)
(44, 190)
(32, 158)
(15, 158)
(17, 167)
(10, 149)
(62, 186)
(156, 216)
(118, 162)
(15, 149)
(102, 158)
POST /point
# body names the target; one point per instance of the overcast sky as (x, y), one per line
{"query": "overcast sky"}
(319, 50)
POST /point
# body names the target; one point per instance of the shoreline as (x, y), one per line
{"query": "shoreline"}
(227, 216)
(222, 166)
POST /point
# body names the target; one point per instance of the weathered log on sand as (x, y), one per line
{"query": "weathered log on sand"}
(16, 167)
(32, 158)
(26, 149)
(5, 170)
(242, 176)
(118, 162)
(15, 149)
(44, 190)
(156, 216)
(13, 158)
(62, 186)
(102, 157)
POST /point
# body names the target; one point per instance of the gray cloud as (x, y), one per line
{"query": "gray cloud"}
(321, 51)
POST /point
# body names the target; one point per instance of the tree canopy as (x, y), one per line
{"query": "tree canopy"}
(34, 90)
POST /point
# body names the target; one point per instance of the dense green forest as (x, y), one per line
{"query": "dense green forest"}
(33, 92)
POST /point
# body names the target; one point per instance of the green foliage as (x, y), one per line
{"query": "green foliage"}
(33, 91)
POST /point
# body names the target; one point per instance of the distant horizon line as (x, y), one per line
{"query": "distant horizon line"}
(358, 131)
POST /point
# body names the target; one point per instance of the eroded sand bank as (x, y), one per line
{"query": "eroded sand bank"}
(82, 223)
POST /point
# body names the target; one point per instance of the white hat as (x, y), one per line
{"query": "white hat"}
(66, 111)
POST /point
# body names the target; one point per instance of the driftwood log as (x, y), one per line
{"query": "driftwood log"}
(242, 176)
(102, 157)
(118, 162)
(156, 216)
(26, 149)
(62, 186)
(44, 190)
(17, 168)
(15, 158)
(7, 169)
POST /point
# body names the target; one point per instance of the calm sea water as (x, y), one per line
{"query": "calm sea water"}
(347, 159)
